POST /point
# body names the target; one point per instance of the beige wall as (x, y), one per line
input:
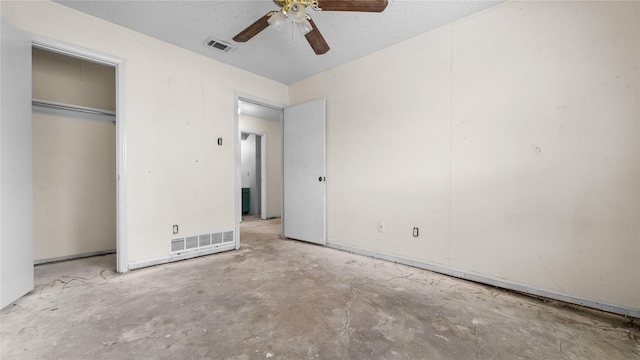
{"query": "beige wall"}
(69, 80)
(274, 159)
(177, 104)
(74, 169)
(509, 138)
(74, 186)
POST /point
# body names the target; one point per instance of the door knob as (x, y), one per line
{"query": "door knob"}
(321, 178)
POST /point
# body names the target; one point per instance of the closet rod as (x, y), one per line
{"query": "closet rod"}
(70, 107)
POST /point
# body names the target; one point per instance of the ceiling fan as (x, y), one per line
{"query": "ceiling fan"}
(306, 26)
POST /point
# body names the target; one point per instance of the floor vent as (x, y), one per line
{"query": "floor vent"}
(218, 45)
(199, 242)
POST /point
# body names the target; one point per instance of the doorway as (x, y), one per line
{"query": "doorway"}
(301, 174)
(74, 157)
(118, 153)
(258, 126)
(253, 149)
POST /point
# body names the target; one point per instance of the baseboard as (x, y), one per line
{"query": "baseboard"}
(182, 256)
(73, 257)
(488, 280)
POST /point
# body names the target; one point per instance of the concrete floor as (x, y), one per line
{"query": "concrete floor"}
(284, 299)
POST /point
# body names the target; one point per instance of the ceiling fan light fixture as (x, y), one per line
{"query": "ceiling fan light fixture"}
(277, 19)
(304, 27)
(298, 12)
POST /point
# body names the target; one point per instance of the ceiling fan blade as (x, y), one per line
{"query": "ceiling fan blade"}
(315, 39)
(353, 5)
(253, 29)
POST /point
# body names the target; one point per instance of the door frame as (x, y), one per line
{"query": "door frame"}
(237, 96)
(44, 43)
(263, 171)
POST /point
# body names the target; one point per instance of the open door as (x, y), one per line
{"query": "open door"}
(304, 172)
(16, 193)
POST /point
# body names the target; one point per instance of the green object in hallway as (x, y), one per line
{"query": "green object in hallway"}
(246, 203)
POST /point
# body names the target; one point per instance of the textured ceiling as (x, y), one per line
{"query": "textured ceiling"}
(279, 54)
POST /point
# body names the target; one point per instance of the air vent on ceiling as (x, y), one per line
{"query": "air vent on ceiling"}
(218, 45)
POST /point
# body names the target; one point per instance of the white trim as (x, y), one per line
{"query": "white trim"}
(237, 183)
(121, 164)
(73, 257)
(282, 177)
(184, 256)
(122, 246)
(489, 280)
(263, 176)
(63, 48)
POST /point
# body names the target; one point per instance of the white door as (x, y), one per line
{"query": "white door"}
(303, 168)
(16, 193)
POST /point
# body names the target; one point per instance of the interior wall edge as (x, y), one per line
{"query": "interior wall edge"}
(488, 280)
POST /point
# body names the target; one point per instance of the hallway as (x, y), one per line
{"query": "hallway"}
(283, 299)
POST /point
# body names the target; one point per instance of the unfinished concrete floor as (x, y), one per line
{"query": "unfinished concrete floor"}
(284, 299)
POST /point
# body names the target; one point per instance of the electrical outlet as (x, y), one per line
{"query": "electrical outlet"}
(381, 226)
(416, 232)
(175, 229)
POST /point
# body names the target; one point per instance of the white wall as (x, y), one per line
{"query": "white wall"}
(509, 138)
(248, 161)
(273, 167)
(177, 104)
(249, 173)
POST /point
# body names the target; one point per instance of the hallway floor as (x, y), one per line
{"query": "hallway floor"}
(283, 299)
